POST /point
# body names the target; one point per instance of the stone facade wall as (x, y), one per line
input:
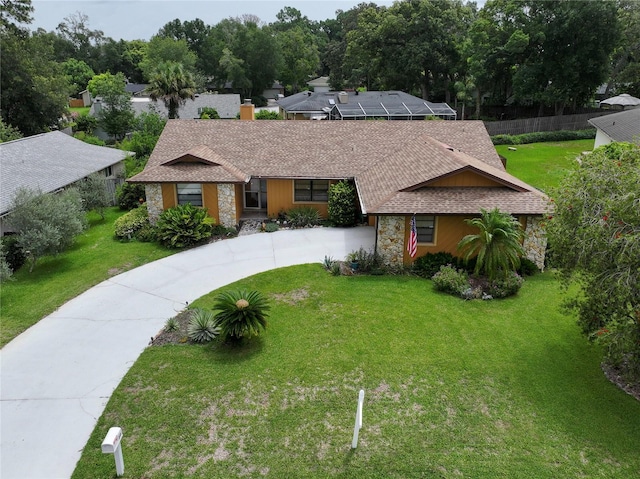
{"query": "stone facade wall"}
(154, 201)
(391, 239)
(535, 241)
(227, 205)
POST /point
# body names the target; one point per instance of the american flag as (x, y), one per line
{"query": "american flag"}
(412, 245)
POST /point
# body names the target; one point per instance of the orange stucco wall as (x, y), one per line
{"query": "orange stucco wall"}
(280, 197)
(239, 190)
(169, 198)
(448, 233)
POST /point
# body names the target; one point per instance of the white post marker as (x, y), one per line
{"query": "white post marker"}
(358, 425)
(111, 445)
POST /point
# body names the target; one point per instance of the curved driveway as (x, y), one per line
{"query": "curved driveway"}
(58, 375)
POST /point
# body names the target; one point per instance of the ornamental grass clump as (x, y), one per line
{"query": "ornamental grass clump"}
(202, 326)
(241, 314)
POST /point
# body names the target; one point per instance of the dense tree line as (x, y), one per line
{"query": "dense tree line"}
(528, 52)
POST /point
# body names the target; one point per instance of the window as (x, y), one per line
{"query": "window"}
(108, 171)
(189, 193)
(426, 226)
(311, 190)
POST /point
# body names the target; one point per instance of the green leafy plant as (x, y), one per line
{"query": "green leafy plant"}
(342, 204)
(504, 287)
(209, 113)
(13, 254)
(367, 261)
(128, 195)
(527, 267)
(271, 227)
(497, 246)
(241, 314)
(451, 280)
(335, 268)
(5, 271)
(202, 326)
(127, 225)
(94, 194)
(171, 325)
(327, 262)
(429, 264)
(183, 225)
(303, 216)
(268, 115)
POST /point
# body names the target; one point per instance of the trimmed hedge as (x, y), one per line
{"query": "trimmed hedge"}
(544, 136)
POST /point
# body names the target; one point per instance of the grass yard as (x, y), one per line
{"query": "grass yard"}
(81, 110)
(95, 256)
(543, 164)
(453, 389)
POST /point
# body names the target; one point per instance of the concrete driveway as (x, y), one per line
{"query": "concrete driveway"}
(58, 376)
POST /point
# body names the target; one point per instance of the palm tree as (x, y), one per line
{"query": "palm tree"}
(173, 85)
(497, 246)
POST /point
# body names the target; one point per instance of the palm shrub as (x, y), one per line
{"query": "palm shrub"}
(342, 204)
(202, 326)
(497, 246)
(303, 216)
(240, 314)
(183, 225)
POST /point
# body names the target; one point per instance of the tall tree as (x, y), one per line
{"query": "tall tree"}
(86, 42)
(78, 73)
(173, 85)
(193, 32)
(163, 49)
(300, 57)
(34, 91)
(116, 114)
(595, 236)
(625, 75)
(15, 12)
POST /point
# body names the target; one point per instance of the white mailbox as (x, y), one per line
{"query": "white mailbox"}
(111, 445)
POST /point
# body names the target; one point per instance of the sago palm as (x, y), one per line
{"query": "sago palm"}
(241, 313)
(497, 245)
(173, 85)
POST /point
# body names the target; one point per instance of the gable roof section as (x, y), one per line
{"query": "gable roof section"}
(385, 158)
(623, 126)
(48, 162)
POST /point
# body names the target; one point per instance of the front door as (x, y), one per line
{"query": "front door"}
(255, 194)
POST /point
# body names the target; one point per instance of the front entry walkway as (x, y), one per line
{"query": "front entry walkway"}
(58, 375)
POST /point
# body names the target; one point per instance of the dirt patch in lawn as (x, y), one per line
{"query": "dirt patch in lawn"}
(177, 336)
(292, 297)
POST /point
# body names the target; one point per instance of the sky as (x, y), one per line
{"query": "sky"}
(140, 19)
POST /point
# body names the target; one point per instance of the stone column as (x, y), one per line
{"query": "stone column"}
(535, 241)
(153, 191)
(391, 239)
(227, 204)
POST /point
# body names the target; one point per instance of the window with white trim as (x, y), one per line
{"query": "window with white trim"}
(311, 190)
(189, 193)
(426, 226)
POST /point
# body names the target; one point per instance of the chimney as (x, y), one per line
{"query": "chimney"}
(343, 97)
(247, 110)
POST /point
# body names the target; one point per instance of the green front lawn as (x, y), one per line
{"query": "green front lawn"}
(95, 256)
(80, 110)
(543, 165)
(475, 389)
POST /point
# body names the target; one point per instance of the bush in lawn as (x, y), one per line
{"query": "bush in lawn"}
(451, 280)
(5, 271)
(342, 204)
(130, 223)
(46, 223)
(13, 254)
(94, 194)
(86, 123)
(503, 287)
(527, 267)
(146, 234)
(202, 326)
(183, 225)
(429, 264)
(240, 314)
(544, 136)
(128, 195)
(303, 216)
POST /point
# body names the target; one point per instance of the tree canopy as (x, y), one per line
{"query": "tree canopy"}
(595, 241)
(172, 84)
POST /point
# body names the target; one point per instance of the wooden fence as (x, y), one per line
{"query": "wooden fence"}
(543, 123)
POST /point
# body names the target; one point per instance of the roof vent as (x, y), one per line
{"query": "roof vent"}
(343, 97)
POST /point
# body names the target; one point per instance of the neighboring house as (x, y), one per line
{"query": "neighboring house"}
(354, 105)
(442, 171)
(136, 89)
(320, 84)
(227, 106)
(50, 162)
(276, 91)
(623, 126)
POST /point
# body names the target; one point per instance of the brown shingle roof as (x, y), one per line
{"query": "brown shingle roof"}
(383, 157)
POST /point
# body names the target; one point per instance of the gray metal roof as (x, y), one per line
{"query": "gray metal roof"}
(368, 104)
(623, 126)
(48, 162)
